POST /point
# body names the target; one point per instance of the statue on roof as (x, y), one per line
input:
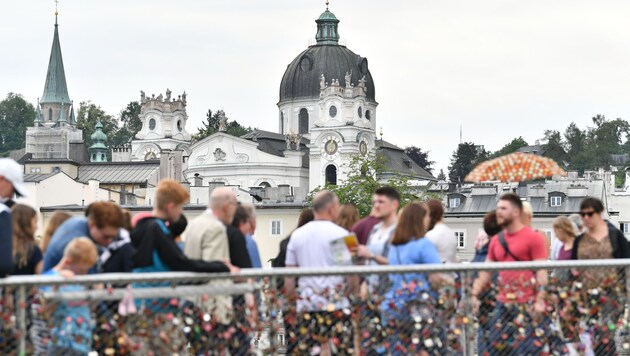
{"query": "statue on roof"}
(222, 122)
(348, 79)
(143, 96)
(160, 97)
(322, 82)
(184, 97)
(168, 94)
(362, 82)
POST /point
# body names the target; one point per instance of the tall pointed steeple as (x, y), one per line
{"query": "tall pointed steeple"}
(55, 89)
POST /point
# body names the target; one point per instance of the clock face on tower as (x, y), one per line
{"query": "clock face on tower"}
(331, 147)
(363, 148)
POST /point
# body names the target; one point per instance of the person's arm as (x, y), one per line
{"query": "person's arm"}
(175, 259)
(37, 259)
(484, 277)
(6, 242)
(290, 262)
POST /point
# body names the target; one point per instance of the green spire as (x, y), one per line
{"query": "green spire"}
(55, 89)
(327, 32)
(98, 150)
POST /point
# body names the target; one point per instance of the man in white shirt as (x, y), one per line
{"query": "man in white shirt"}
(322, 301)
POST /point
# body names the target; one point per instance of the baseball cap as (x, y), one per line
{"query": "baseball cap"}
(12, 171)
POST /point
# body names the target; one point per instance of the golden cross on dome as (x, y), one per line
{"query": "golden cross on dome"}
(56, 12)
(327, 3)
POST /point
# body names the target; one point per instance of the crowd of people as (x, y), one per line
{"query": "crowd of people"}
(395, 314)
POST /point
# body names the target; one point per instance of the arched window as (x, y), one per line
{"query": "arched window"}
(49, 114)
(303, 121)
(93, 156)
(331, 175)
(264, 185)
(103, 157)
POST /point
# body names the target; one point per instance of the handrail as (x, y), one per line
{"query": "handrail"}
(191, 277)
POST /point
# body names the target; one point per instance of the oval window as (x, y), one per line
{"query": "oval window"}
(305, 64)
(332, 111)
(368, 115)
(152, 124)
(360, 112)
(179, 125)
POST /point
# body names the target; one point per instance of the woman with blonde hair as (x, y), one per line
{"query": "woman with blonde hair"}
(27, 257)
(565, 232)
(55, 221)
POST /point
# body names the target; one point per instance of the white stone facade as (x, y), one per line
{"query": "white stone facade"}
(163, 127)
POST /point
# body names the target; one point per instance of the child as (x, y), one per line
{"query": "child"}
(71, 324)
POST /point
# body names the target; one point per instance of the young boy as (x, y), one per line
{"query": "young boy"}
(71, 324)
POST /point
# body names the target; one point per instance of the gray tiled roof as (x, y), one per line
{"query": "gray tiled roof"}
(273, 143)
(38, 177)
(118, 172)
(479, 204)
(395, 158)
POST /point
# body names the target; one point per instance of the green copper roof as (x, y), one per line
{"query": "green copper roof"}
(98, 137)
(327, 15)
(55, 89)
(327, 33)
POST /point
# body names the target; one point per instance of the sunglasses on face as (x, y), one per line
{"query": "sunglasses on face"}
(587, 213)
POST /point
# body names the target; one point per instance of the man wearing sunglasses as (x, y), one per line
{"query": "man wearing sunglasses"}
(600, 286)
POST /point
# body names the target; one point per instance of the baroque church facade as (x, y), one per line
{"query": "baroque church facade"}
(327, 113)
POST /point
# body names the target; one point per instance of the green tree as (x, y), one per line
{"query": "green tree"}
(420, 157)
(464, 159)
(16, 114)
(554, 148)
(511, 147)
(211, 126)
(441, 176)
(89, 114)
(605, 140)
(579, 158)
(130, 124)
(362, 180)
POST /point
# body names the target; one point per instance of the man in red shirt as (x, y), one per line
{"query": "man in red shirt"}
(521, 293)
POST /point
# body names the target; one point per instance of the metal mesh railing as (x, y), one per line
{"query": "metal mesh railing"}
(393, 310)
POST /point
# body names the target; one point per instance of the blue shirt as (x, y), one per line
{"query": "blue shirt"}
(72, 324)
(408, 286)
(252, 250)
(68, 231)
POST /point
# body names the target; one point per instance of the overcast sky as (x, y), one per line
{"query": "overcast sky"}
(499, 68)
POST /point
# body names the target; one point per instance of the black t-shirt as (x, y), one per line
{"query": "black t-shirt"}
(239, 256)
(34, 257)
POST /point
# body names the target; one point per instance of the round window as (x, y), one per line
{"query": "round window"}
(332, 111)
(368, 115)
(305, 64)
(360, 112)
(179, 125)
(152, 124)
